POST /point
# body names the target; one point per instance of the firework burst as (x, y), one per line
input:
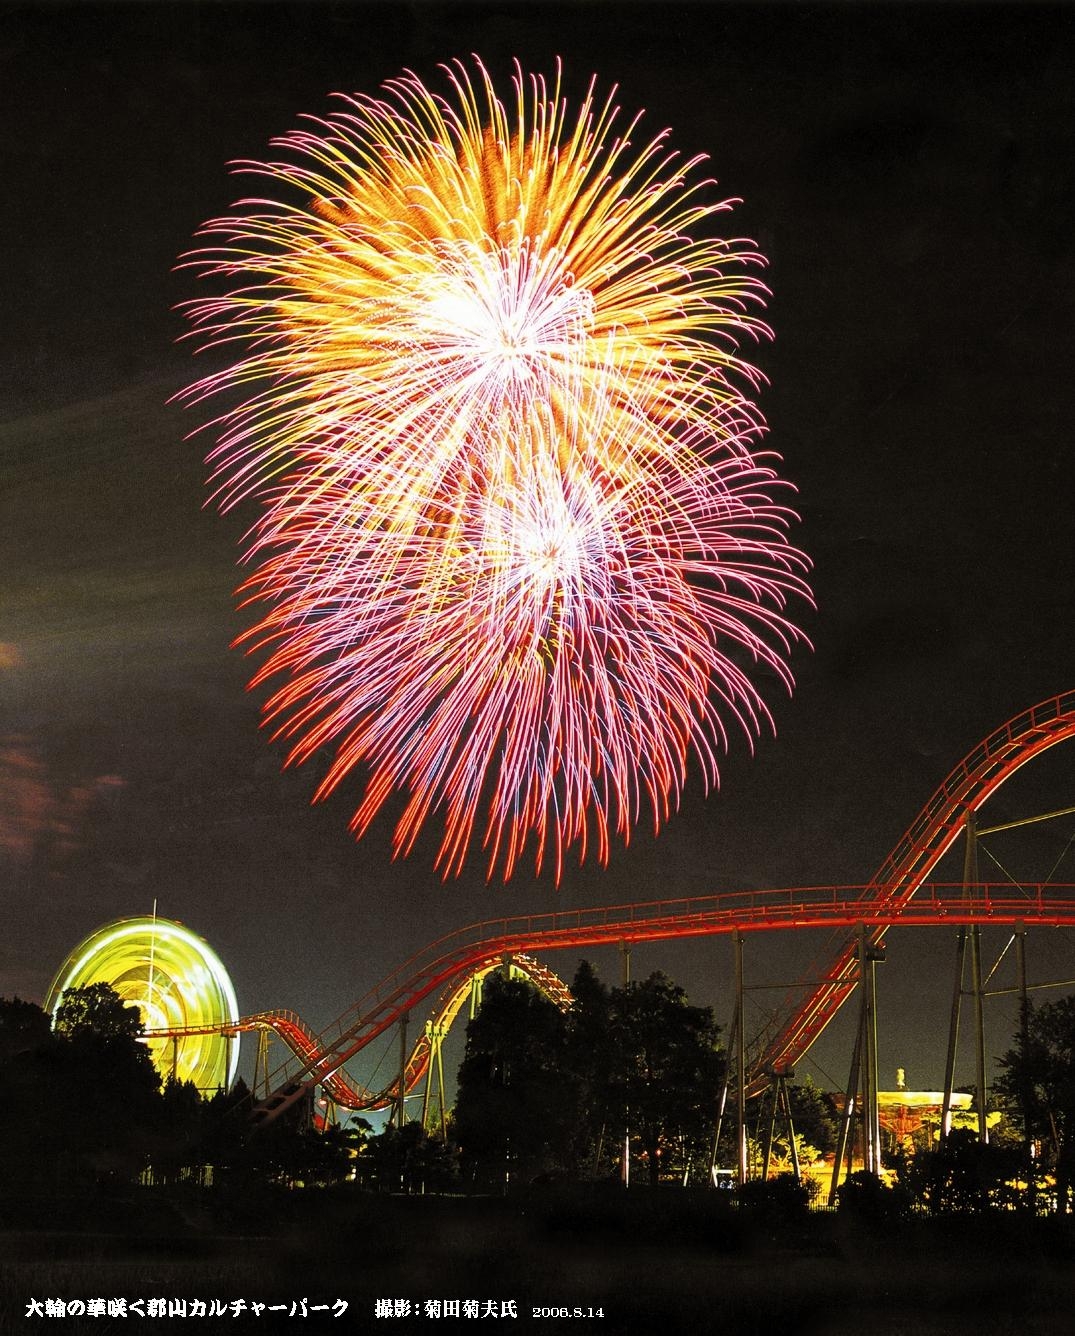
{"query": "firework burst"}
(516, 539)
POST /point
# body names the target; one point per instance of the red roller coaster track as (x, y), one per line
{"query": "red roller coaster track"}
(898, 894)
(455, 957)
(307, 1047)
(925, 843)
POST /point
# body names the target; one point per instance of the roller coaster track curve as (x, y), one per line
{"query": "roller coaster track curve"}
(305, 1044)
(898, 894)
(925, 843)
(756, 911)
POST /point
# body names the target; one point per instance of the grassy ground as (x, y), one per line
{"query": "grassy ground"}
(665, 1262)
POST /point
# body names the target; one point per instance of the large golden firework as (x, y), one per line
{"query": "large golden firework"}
(518, 545)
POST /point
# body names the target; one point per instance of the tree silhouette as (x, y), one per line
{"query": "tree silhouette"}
(515, 1102)
(24, 1027)
(665, 1072)
(95, 1068)
(588, 1063)
(408, 1160)
(541, 1093)
(96, 1008)
(1037, 1082)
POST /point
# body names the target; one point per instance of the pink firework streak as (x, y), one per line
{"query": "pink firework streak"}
(517, 539)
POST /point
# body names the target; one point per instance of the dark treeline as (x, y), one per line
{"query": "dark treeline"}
(82, 1107)
(546, 1093)
(544, 1096)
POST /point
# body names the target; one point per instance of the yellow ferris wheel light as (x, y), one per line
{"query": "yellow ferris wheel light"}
(176, 980)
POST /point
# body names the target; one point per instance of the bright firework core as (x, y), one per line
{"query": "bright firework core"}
(496, 314)
(517, 540)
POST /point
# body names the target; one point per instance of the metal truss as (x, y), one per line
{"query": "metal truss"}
(897, 895)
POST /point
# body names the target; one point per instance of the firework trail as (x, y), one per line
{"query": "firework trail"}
(517, 545)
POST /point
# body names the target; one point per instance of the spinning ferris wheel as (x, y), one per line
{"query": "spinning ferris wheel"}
(176, 980)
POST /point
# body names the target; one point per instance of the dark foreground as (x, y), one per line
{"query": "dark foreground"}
(664, 1262)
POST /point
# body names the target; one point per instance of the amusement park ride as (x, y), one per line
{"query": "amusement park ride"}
(452, 967)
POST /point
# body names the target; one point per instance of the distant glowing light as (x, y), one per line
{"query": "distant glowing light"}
(519, 553)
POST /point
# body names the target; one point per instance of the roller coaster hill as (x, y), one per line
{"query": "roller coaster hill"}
(899, 894)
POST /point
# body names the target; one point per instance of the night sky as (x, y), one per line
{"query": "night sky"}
(908, 171)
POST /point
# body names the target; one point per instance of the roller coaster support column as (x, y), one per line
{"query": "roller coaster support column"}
(740, 1063)
(976, 974)
(781, 1102)
(972, 935)
(261, 1063)
(736, 1044)
(953, 1035)
(981, 1093)
(845, 1142)
(1024, 1044)
(435, 1070)
(625, 1162)
(861, 1097)
(733, 1047)
(869, 954)
(401, 1090)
